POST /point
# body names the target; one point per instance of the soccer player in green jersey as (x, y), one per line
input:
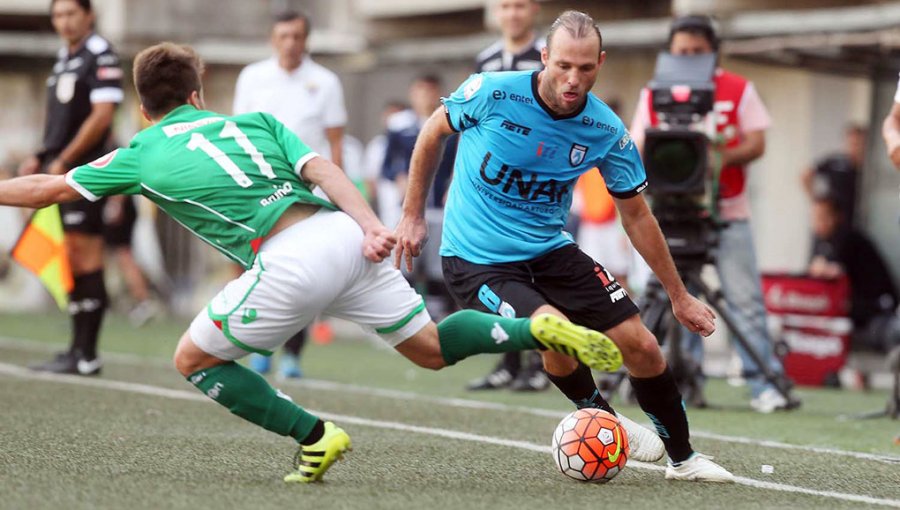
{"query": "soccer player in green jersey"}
(242, 184)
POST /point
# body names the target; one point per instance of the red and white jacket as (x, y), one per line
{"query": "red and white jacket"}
(738, 110)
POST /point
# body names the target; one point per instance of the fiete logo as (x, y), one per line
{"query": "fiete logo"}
(515, 128)
(499, 334)
(526, 183)
(280, 193)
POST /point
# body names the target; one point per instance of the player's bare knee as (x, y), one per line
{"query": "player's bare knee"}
(424, 349)
(558, 364)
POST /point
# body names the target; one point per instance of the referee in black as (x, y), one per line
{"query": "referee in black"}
(82, 95)
(519, 49)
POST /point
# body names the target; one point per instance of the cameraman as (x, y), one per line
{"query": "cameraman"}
(741, 121)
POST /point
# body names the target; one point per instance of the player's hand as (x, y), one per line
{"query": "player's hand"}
(30, 166)
(694, 315)
(411, 236)
(378, 243)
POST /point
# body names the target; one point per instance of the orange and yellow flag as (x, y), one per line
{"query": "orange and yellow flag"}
(40, 249)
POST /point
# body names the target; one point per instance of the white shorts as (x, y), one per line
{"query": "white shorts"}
(315, 267)
(607, 244)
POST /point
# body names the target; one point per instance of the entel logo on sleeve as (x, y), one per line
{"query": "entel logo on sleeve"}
(103, 161)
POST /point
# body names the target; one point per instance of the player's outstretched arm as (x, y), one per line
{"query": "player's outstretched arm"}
(412, 231)
(648, 240)
(890, 130)
(36, 191)
(379, 241)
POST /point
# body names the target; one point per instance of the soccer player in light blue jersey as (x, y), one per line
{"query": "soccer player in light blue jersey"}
(525, 139)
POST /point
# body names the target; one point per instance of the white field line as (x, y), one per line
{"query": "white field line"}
(133, 359)
(156, 391)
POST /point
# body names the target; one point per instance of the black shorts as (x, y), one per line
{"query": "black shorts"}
(565, 278)
(117, 234)
(83, 216)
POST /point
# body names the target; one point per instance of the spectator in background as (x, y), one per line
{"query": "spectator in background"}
(403, 129)
(842, 250)
(599, 233)
(519, 49)
(308, 99)
(376, 150)
(742, 120)
(836, 177)
(83, 93)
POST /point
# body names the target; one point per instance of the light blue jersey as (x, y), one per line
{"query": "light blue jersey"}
(517, 165)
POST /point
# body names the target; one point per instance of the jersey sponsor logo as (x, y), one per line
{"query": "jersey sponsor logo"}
(65, 87)
(103, 161)
(618, 295)
(280, 193)
(180, 128)
(500, 95)
(577, 154)
(515, 128)
(526, 184)
(472, 87)
(625, 141)
(609, 128)
(547, 151)
(109, 73)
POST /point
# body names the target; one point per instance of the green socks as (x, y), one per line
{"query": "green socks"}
(469, 332)
(248, 395)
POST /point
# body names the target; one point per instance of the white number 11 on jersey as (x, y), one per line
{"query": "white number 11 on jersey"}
(198, 141)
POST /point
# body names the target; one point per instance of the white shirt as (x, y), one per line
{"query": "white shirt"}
(307, 100)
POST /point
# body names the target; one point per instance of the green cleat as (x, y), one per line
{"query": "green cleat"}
(592, 348)
(311, 462)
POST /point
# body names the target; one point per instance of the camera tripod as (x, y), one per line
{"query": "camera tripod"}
(656, 312)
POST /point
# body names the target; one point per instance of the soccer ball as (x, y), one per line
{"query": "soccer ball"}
(590, 445)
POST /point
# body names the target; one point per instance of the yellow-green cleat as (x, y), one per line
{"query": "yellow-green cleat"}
(592, 348)
(311, 462)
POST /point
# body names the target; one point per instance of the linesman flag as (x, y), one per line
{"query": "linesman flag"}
(40, 249)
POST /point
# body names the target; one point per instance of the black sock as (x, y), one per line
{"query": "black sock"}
(295, 344)
(661, 401)
(580, 388)
(315, 434)
(511, 361)
(87, 304)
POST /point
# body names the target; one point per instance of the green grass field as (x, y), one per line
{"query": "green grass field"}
(142, 437)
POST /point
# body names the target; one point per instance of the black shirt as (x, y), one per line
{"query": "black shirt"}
(872, 290)
(496, 58)
(92, 74)
(835, 179)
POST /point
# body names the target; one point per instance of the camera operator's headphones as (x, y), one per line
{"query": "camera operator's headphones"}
(696, 23)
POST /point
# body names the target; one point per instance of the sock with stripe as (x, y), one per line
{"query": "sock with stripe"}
(248, 395)
(579, 387)
(661, 401)
(469, 332)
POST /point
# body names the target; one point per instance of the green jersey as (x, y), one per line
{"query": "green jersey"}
(226, 179)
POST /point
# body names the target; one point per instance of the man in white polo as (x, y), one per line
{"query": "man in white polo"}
(308, 99)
